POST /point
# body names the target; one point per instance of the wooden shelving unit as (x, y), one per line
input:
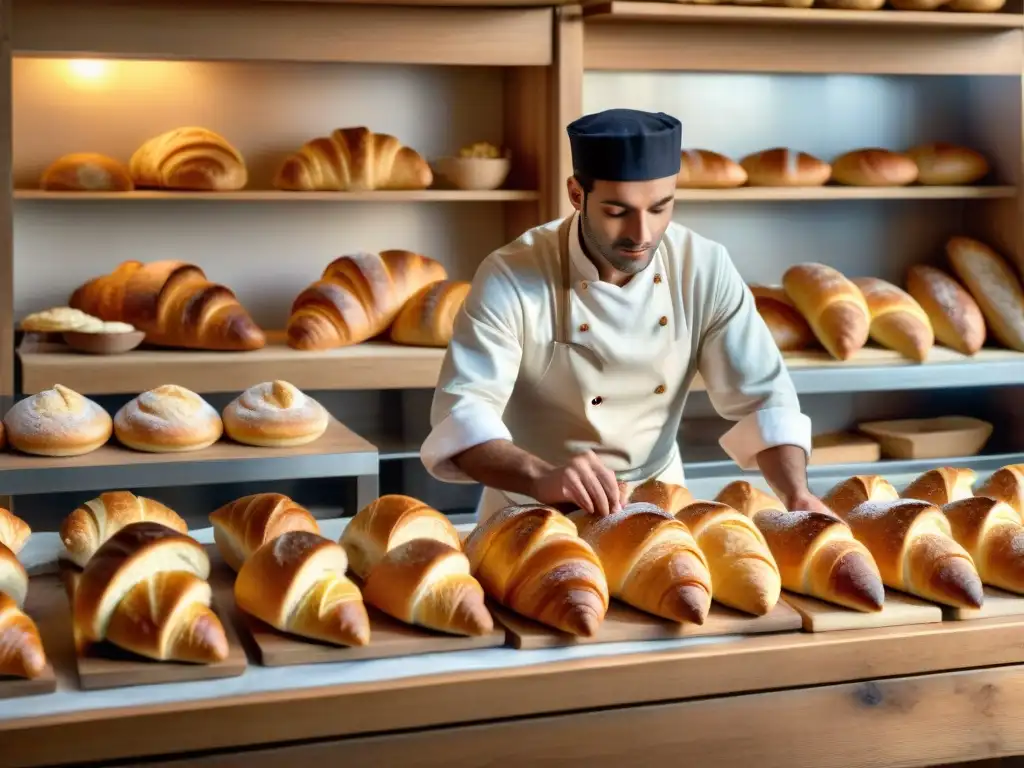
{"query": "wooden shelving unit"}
(273, 196)
(835, 193)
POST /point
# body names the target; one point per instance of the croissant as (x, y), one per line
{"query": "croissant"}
(650, 560)
(818, 556)
(665, 496)
(358, 297)
(246, 524)
(146, 588)
(389, 522)
(993, 534)
(189, 159)
(13, 577)
(530, 559)
(942, 486)
(21, 649)
(746, 499)
(427, 319)
(744, 575)
(296, 583)
(849, 493)
(913, 548)
(351, 160)
(14, 531)
(427, 582)
(173, 303)
(1006, 484)
(85, 529)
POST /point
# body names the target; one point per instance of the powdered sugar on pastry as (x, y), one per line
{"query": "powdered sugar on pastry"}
(275, 413)
(168, 418)
(57, 422)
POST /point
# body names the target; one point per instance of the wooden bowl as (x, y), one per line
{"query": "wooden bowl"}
(474, 172)
(103, 343)
(942, 438)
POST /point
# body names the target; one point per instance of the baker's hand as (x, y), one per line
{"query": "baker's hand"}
(806, 501)
(585, 481)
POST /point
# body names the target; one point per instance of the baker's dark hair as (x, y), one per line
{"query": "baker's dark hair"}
(585, 182)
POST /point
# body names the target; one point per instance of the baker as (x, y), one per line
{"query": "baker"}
(573, 354)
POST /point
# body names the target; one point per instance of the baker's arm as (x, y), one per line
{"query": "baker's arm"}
(747, 382)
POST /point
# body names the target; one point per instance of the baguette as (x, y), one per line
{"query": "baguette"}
(852, 492)
(787, 326)
(913, 547)
(897, 321)
(744, 574)
(780, 167)
(944, 164)
(651, 561)
(994, 285)
(531, 560)
(833, 306)
(246, 524)
(993, 534)
(704, 169)
(955, 316)
(942, 486)
(874, 168)
(427, 319)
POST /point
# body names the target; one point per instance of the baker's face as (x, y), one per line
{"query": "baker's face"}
(624, 221)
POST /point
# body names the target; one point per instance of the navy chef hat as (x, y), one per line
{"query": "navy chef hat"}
(626, 145)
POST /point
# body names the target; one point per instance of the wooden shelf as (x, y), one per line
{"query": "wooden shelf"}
(782, 194)
(274, 196)
(373, 365)
(626, 10)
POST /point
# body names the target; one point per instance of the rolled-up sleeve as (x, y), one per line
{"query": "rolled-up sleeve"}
(478, 374)
(745, 375)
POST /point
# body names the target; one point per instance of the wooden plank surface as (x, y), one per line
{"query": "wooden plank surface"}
(624, 624)
(997, 604)
(104, 666)
(36, 603)
(898, 610)
(275, 196)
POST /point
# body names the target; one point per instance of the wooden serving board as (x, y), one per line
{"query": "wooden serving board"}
(15, 687)
(103, 665)
(624, 624)
(997, 604)
(899, 610)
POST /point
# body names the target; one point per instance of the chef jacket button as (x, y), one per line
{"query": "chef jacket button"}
(663, 320)
(597, 400)
(660, 389)
(657, 278)
(584, 328)
(583, 285)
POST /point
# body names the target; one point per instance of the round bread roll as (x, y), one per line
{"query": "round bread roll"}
(948, 164)
(874, 168)
(86, 172)
(166, 420)
(780, 167)
(274, 414)
(703, 169)
(57, 422)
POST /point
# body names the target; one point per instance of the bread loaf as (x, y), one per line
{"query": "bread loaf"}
(944, 164)
(874, 168)
(703, 169)
(782, 167)
(942, 486)
(57, 422)
(246, 524)
(746, 499)
(976, 6)
(427, 318)
(389, 522)
(833, 306)
(918, 5)
(86, 172)
(428, 583)
(354, 160)
(744, 575)
(856, 490)
(994, 285)
(14, 531)
(168, 419)
(913, 547)
(788, 327)
(1006, 484)
(13, 577)
(275, 414)
(173, 303)
(993, 534)
(955, 316)
(651, 561)
(665, 496)
(853, 5)
(85, 530)
(897, 321)
(191, 159)
(296, 583)
(21, 649)
(818, 556)
(358, 297)
(531, 560)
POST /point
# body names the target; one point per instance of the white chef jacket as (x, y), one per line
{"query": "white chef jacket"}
(493, 382)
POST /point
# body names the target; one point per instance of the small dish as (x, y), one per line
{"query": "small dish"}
(479, 173)
(939, 438)
(103, 343)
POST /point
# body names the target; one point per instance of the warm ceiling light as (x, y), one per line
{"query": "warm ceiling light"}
(87, 69)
